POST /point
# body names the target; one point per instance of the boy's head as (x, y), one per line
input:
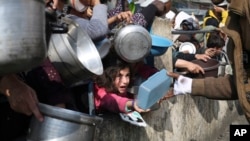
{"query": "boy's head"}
(215, 40)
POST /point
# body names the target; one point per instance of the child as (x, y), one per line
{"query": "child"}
(215, 44)
(218, 15)
(110, 93)
(143, 15)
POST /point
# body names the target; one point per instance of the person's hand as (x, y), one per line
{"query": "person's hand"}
(121, 17)
(169, 94)
(194, 68)
(182, 84)
(138, 109)
(203, 57)
(173, 75)
(189, 66)
(21, 97)
(210, 52)
(218, 9)
(54, 4)
(88, 13)
(160, 7)
(124, 16)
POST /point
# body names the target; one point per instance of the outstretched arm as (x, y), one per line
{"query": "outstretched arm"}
(21, 97)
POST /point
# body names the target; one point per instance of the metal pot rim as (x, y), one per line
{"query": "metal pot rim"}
(69, 115)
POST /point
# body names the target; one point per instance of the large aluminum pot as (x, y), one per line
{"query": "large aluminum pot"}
(62, 125)
(103, 47)
(132, 43)
(22, 35)
(74, 55)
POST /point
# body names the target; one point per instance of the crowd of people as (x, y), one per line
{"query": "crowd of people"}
(21, 92)
(234, 84)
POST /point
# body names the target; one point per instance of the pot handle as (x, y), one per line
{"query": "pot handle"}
(54, 20)
(59, 27)
(120, 26)
(226, 57)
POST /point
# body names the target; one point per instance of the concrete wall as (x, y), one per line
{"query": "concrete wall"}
(181, 118)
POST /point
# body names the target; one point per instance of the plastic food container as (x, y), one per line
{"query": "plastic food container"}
(153, 89)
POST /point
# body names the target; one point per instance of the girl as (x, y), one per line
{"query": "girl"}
(110, 93)
(143, 15)
(218, 15)
(111, 89)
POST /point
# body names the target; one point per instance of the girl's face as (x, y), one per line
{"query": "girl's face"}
(122, 80)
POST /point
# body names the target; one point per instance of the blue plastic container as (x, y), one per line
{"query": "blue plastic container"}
(159, 45)
(153, 89)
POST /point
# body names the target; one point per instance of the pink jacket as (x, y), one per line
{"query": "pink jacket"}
(110, 101)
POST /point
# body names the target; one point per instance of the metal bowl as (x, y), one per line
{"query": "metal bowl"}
(132, 43)
(62, 125)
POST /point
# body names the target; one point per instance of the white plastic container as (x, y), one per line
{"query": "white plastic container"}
(153, 89)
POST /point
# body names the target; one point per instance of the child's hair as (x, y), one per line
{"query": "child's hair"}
(215, 40)
(107, 79)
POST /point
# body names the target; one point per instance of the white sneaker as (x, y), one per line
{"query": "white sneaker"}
(134, 118)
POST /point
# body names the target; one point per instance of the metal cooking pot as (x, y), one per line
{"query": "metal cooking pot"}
(103, 47)
(132, 43)
(62, 125)
(22, 35)
(74, 55)
(210, 67)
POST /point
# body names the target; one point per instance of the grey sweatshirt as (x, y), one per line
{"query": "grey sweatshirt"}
(97, 25)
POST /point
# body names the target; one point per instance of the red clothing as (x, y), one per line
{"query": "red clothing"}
(114, 102)
(145, 71)
(110, 101)
(47, 83)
